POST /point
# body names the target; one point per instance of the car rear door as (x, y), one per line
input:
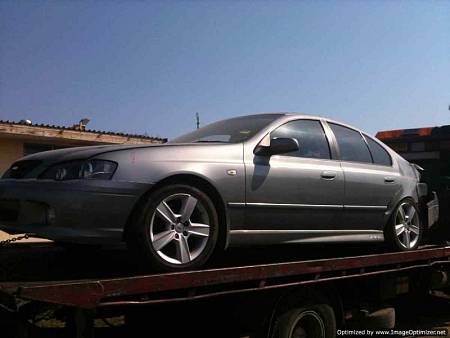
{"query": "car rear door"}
(298, 193)
(371, 181)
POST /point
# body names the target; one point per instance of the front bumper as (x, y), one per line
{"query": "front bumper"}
(80, 211)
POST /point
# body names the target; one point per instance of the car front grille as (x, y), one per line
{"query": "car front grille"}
(21, 169)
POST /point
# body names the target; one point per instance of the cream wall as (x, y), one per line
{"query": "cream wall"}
(10, 151)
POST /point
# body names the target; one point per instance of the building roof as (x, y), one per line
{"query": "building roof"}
(74, 128)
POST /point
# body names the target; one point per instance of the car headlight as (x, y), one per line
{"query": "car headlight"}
(74, 170)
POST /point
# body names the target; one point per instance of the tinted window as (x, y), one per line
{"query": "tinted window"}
(380, 156)
(310, 136)
(352, 146)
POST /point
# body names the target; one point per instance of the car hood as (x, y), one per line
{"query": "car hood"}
(157, 152)
(80, 153)
(160, 151)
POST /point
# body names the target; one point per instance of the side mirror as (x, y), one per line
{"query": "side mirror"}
(277, 146)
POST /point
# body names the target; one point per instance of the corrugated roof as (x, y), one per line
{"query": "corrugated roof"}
(51, 126)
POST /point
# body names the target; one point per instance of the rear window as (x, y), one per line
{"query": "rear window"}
(379, 154)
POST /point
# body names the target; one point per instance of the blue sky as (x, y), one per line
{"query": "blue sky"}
(147, 67)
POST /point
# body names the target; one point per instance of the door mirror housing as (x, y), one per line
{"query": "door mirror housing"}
(279, 145)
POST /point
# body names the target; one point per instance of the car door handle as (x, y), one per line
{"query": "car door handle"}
(328, 175)
(389, 179)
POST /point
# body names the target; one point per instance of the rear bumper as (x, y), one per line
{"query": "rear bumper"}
(433, 210)
(81, 211)
(429, 205)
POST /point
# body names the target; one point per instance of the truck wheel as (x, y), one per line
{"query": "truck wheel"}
(404, 231)
(177, 229)
(313, 321)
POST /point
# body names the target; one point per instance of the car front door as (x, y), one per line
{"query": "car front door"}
(370, 179)
(297, 194)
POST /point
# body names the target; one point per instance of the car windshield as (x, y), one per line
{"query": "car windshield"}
(233, 130)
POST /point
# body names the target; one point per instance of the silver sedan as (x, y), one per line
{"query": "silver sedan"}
(253, 180)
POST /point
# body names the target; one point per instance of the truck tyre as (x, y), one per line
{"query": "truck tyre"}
(404, 230)
(176, 229)
(312, 321)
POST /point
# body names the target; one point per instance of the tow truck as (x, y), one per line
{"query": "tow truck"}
(315, 296)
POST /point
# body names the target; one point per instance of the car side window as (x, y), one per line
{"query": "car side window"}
(310, 136)
(379, 154)
(352, 146)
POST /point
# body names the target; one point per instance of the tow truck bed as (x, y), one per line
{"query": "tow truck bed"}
(182, 287)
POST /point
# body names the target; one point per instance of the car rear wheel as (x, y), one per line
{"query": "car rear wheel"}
(405, 231)
(177, 229)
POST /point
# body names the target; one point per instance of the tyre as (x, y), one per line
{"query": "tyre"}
(312, 321)
(404, 231)
(177, 229)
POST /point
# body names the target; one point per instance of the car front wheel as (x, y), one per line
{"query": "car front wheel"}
(177, 229)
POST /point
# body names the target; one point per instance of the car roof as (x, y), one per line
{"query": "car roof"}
(281, 114)
(291, 115)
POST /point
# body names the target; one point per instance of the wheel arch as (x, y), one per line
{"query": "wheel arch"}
(195, 181)
(398, 201)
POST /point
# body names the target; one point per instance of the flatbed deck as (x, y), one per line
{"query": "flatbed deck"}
(169, 287)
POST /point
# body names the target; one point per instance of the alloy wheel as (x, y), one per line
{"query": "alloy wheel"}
(407, 227)
(179, 228)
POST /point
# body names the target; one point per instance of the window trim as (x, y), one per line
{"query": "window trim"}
(367, 146)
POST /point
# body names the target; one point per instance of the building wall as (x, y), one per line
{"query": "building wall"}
(10, 151)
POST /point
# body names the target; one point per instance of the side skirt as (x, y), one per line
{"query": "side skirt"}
(257, 237)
